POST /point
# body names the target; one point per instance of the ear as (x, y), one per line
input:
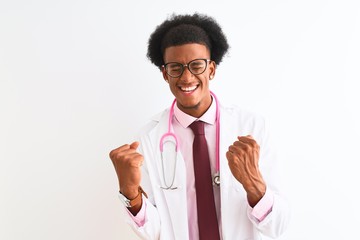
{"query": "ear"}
(212, 70)
(165, 76)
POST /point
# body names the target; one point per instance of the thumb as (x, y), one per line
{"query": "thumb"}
(134, 145)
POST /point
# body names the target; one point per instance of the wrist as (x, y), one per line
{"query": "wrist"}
(130, 193)
(130, 190)
(254, 195)
(135, 202)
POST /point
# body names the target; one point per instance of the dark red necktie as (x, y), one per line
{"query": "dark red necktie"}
(207, 220)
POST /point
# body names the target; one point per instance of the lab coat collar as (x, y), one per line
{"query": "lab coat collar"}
(185, 119)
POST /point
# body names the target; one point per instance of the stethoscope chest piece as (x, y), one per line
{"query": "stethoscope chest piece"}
(216, 179)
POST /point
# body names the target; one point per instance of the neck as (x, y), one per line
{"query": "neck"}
(197, 110)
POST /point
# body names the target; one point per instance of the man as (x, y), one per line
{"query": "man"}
(173, 197)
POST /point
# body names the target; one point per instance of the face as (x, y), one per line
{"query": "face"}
(191, 91)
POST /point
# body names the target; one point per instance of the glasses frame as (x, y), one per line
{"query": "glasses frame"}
(183, 66)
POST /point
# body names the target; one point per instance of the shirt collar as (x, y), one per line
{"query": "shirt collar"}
(185, 119)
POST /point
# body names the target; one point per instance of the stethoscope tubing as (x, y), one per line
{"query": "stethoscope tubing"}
(216, 177)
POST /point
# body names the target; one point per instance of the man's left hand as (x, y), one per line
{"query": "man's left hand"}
(243, 159)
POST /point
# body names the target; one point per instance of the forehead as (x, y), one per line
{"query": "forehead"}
(186, 52)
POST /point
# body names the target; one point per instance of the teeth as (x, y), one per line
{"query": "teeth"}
(188, 89)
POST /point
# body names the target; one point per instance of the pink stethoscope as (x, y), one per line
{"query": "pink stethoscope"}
(169, 134)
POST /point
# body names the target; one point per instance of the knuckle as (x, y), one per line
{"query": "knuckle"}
(247, 148)
(112, 155)
(253, 143)
(229, 155)
(111, 152)
(125, 158)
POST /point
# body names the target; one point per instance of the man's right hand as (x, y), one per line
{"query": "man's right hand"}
(127, 162)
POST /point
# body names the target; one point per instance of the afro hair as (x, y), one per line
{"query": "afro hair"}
(183, 29)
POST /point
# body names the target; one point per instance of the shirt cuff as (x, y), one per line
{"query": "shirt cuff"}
(139, 218)
(264, 206)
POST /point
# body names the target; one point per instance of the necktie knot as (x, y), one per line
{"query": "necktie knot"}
(198, 127)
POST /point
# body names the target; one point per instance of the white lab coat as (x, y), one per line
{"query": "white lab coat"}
(166, 210)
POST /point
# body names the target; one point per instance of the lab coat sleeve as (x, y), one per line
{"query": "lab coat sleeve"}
(277, 220)
(151, 228)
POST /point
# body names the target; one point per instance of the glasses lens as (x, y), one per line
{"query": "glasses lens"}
(197, 66)
(174, 69)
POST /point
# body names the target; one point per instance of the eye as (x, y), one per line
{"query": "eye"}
(197, 65)
(174, 67)
(174, 71)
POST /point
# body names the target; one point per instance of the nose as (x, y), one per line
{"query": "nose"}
(186, 75)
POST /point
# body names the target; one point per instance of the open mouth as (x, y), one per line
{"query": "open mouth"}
(189, 88)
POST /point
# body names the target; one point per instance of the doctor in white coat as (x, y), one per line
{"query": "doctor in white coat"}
(158, 189)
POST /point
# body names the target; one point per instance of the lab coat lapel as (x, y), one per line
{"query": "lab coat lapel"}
(175, 200)
(227, 137)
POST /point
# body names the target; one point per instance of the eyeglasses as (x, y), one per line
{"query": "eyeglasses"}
(196, 67)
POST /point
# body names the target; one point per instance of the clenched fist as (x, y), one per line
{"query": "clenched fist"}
(127, 162)
(243, 158)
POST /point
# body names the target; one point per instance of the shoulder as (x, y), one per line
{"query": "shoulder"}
(241, 114)
(154, 121)
(237, 121)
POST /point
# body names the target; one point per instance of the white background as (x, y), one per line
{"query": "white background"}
(75, 83)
